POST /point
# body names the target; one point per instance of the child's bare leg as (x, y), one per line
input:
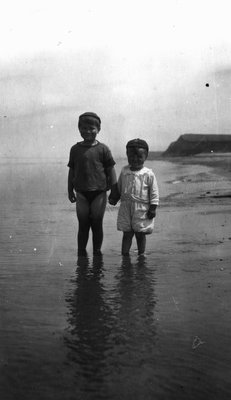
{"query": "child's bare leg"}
(141, 242)
(83, 215)
(127, 242)
(97, 213)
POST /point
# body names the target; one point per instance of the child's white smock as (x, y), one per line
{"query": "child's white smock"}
(138, 190)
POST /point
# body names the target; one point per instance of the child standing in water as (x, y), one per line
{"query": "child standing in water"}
(138, 192)
(91, 174)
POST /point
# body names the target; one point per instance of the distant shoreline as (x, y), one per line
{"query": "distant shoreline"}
(219, 161)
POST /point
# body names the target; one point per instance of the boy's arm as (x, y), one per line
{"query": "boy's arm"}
(154, 197)
(152, 211)
(71, 194)
(112, 180)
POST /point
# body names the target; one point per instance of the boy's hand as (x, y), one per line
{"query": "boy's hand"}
(112, 201)
(114, 196)
(152, 211)
(72, 197)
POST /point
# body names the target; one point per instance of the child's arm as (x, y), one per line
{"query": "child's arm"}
(152, 211)
(71, 194)
(112, 180)
(154, 197)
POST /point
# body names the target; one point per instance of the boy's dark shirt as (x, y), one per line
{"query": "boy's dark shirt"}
(89, 164)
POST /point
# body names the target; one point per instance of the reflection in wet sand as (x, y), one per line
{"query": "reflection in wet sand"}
(134, 331)
(90, 325)
(111, 334)
(136, 303)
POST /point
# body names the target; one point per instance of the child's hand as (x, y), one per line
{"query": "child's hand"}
(112, 201)
(72, 197)
(114, 196)
(152, 211)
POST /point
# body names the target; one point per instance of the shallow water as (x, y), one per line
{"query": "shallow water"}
(108, 327)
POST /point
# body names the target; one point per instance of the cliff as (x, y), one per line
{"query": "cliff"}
(189, 144)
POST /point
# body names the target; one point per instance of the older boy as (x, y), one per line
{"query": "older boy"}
(91, 174)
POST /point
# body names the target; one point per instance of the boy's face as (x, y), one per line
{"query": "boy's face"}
(136, 157)
(88, 131)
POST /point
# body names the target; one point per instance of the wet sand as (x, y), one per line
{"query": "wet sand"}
(155, 328)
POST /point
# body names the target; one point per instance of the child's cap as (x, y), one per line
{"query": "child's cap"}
(138, 143)
(91, 118)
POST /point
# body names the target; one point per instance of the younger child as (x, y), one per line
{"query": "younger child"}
(138, 192)
(91, 174)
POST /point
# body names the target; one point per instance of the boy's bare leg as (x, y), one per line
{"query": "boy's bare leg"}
(141, 242)
(83, 215)
(127, 242)
(98, 207)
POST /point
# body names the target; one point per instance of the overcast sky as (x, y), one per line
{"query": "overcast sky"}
(150, 69)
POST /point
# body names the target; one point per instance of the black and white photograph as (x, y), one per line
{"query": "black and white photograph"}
(115, 200)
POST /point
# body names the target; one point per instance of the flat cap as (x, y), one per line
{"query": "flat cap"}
(90, 117)
(138, 143)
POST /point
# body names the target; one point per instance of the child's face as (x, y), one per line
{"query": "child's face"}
(88, 131)
(136, 157)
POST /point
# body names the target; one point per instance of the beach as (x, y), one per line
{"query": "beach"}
(110, 328)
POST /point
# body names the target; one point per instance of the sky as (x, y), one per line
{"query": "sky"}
(150, 69)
